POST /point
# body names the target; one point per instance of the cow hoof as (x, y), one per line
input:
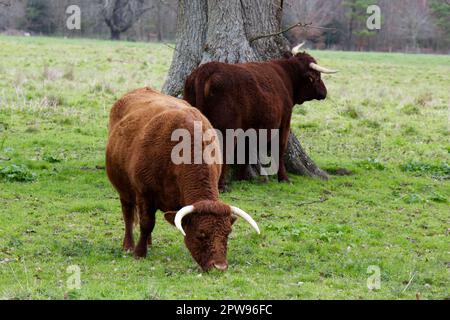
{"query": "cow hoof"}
(128, 248)
(139, 258)
(140, 254)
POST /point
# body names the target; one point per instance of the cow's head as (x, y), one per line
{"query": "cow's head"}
(311, 84)
(206, 226)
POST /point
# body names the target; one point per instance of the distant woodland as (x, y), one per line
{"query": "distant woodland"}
(407, 25)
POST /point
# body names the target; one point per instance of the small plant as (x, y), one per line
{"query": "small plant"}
(352, 113)
(372, 164)
(308, 125)
(302, 111)
(410, 131)
(437, 197)
(17, 173)
(422, 168)
(72, 295)
(373, 124)
(51, 159)
(424, 99)
(55, 100)
(411, 109)
(414, 199)
(69, 73)
(4, 126)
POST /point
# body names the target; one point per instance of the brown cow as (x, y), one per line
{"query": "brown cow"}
(259, 95)
(140, 166)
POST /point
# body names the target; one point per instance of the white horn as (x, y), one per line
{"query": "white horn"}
(180, 215)
(321, 69)
(297, 48)
(240, 213)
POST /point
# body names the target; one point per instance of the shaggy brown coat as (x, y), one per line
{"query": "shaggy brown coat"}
(139, 165)
(254, 96)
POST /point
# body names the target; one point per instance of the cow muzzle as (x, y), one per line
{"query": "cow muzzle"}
(321, 95)
(216, 264)
(221, 266)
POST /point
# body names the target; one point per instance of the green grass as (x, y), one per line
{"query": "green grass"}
(386, 120)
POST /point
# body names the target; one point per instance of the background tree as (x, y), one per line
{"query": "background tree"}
(38, 17)
(121, 15)
(12, 13)
(333, 34)
(408, 25)
(441, 11)
(227, 31)
(357, 33)
(415, 23)
(323, 13)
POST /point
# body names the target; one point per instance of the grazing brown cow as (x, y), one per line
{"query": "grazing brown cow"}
(139, 165)
(258, 95)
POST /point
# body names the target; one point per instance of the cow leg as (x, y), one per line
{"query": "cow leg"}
(244, 173)
(147, 212)
(223, 176)
(128, 218)
(222, 180)
(244, 169)
(284, 137)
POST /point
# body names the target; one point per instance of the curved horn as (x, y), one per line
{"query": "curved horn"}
(180, 215)
(240, 213)
(296, 49)
(321, 69)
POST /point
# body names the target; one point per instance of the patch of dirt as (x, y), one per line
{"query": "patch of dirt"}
(340, 172)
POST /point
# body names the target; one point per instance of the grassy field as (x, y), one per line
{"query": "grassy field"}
(386, 120)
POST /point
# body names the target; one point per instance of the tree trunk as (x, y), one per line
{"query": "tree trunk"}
(217, 30)
(297, 160)
(192, 23)
(159, 22)
(115, 35)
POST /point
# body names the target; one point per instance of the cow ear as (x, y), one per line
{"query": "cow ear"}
(233, 219)
(170, 217)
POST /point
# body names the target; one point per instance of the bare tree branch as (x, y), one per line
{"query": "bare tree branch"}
(299, 25)
(121, 15)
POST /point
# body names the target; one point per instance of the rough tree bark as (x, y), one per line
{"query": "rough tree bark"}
(217, 30)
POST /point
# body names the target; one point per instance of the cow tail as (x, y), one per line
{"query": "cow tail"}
(189, 90)
(196, 88)
(203, 86)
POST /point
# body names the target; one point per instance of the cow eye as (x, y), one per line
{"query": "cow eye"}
(311, 79)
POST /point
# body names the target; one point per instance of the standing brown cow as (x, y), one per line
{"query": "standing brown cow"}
(139, 165)
(259, 95)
